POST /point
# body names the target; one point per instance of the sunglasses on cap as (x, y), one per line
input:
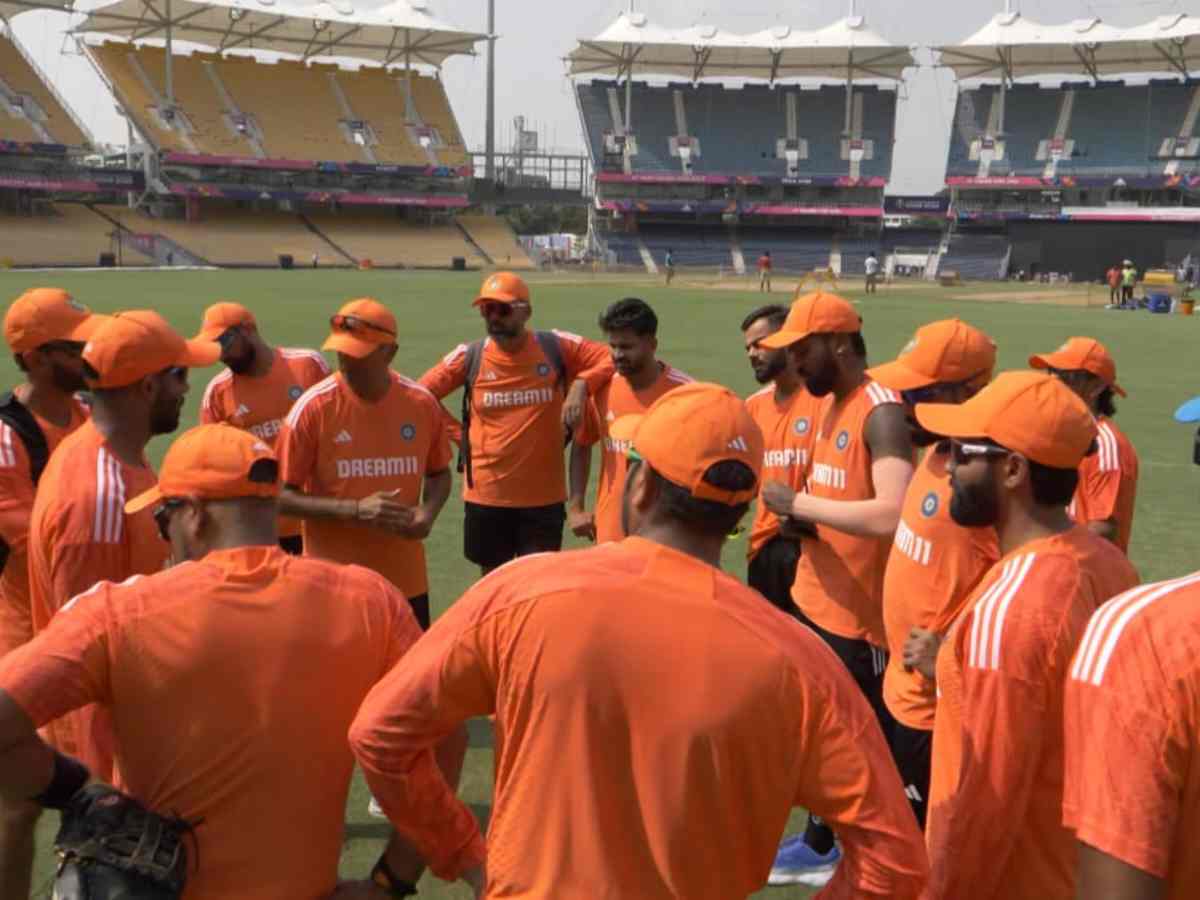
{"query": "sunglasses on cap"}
(162, 516)
(962, 452)
(356, 325)
(72, 348)
(503, 310)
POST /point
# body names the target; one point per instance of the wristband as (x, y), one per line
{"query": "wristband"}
(383, 876)
(70, 775)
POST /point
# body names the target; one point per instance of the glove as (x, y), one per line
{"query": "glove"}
(113, 848)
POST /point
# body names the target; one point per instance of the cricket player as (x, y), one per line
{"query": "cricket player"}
(681, 716)
(1108, 478)
(259, 385)
(366, 457)
(524, 393)
(787, 415)
(934, 562)
(281, 651)
(998, 748)
(631, 327)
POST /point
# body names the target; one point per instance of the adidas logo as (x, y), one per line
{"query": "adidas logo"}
(610, 417)
(489, 376)
(343, 437)
(912, 793)
(739, 443)
(242, 410)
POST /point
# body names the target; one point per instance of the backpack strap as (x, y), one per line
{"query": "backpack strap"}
(474, 359)
(552, 349)
(15, 414)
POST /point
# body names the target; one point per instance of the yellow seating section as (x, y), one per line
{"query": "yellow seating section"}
(73, 236)
(497, 239)
(377, 97)
(21, 77)
(388, 241)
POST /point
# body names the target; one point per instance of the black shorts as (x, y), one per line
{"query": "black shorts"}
(494, 535)
(866, 663)
(420, 608)
(293, 544)
(913, 751)
(773, 571)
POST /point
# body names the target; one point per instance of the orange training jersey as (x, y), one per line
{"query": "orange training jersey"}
(516, 416)
(334, 444)
(933, 565)
(748, 716)
(231, 682)
(788, 433)
(1133, 733)
(79, 534)
(614, 400)
(1108, 482)
(839, 581)
(16, 506)
(259, 405)
(999, 721)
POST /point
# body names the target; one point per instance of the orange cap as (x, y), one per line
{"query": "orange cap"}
(944, 352)
(213, 462)
(503, 287)
(42, 315)
(688, 430)
(1081, 354)
(360, 327)
(815, 313)
(1028, 412)
(131, 345)
(220, 317)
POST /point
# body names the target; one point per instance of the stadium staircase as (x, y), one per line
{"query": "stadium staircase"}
(473, 243)
(158, 248)
(336, 247)
(647, 258)
(735, 251)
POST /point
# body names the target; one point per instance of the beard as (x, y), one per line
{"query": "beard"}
(974, 506)
(164, 418)
(503, 329)
(67, 380)
(822, 382)
(240, 365)
(770, 368)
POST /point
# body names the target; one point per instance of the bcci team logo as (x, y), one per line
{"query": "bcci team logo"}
(843, 439)
(800, 426)
(929, 506)
(294, 392)
(910, 346)
(543, 369)
(408, 432)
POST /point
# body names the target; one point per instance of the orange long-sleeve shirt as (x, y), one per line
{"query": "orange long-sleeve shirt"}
(653, 716)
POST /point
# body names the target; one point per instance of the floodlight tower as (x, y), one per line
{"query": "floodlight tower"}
(490, 117)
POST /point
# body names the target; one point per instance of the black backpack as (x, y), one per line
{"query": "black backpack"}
(14, 414)
(547, 340)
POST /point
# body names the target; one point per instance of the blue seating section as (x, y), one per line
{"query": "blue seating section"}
(1117, 128)
(800, 251)
(738, 127)
(976, 257)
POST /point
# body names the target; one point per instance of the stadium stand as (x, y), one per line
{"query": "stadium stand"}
(854, 253)
(388, 241)
(625, 248)
(704, 247)
(791, 251)
(30, 111)
(235, 106)
(65, 234)
(738, 128)
(975, 256)
(495, 237)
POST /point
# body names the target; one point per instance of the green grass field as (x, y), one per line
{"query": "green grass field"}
(699, 334)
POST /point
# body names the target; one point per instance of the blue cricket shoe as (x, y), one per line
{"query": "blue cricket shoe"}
(798, 863)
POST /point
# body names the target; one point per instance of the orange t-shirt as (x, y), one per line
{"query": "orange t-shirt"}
(764, 264)
(1108, 482)
(839, 581)
(516, 416)
(995, 808)
(259, 405)
(335, 444)
(231, 682)
(17, 492)
(1133, 733)
(788, 432)
(79, 534)
(748, 715)
(614, 400)
(933, 565)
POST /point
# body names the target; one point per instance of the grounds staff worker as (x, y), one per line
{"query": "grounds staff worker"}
(279, 650)
(660, 720)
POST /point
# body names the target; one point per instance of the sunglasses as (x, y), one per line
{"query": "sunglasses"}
(962, 452)
(932, 393)
(162, 516)
(501, 310)
(356, 325)
(72, 348)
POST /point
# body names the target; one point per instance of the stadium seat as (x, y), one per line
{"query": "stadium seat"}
(496, 238)
(67, 234)
(48, 122)
(378, 235)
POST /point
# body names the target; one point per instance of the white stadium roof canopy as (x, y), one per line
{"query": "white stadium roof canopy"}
(10, 8)
(1011, 46)
(634, 46)
(403, 31)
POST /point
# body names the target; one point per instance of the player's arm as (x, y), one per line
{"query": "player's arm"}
(435, 490)
(211, 411)
(443, 680)
(589, 367)
(890, 442)
(1102, 488)
(16, 495)
(848, 778)
(1104, 877)
(579, 471)
(443, 379)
